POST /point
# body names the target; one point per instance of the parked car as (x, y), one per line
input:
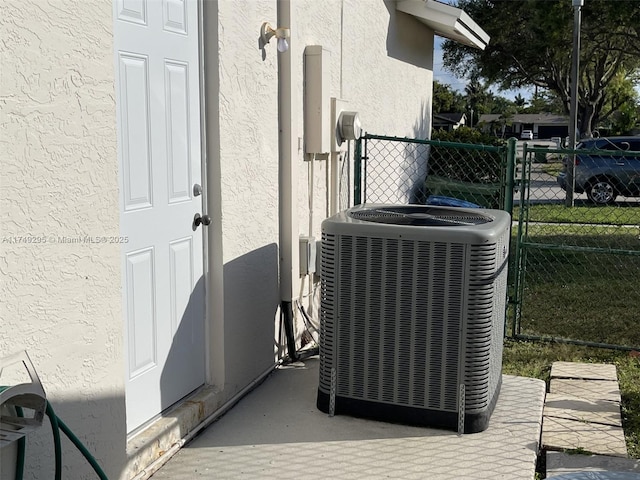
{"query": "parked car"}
(603, 177)
(526, 135)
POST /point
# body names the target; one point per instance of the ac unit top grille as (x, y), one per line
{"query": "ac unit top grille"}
(420, 216)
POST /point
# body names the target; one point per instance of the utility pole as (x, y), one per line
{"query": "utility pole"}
(573, 105)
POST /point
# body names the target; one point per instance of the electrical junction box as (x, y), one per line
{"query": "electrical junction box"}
(317, 102)
(307, 255)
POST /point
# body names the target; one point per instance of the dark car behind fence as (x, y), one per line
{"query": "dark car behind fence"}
(573, 269)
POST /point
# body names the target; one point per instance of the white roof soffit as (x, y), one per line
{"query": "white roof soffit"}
(446, 21)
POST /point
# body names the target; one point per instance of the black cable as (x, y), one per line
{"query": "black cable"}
(307, 317)
(286, 313)
(309, 352)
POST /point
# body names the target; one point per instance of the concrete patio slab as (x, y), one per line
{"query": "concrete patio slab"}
(587, 389)
(585, 371)
(559, 463)
(276, 432)
(559, 434)
(582, 409)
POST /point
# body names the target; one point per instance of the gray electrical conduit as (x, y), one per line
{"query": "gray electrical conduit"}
(287, 182)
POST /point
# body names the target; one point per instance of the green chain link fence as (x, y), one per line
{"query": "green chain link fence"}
(573, 269)
(403, 170)
(579, 259)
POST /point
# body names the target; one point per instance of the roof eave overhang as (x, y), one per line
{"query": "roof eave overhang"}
(446, 21)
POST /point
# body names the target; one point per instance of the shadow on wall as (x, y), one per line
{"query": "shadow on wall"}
(251, 301)
(184, 370)
(417, 156)
(404, 38)
(422, 126)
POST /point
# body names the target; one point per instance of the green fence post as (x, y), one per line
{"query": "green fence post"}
(357, 173)
(520, 260)
(511, 172)
(509, 188)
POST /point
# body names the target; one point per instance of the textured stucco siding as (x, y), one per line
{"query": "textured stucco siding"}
(61, 301)
(380, 62)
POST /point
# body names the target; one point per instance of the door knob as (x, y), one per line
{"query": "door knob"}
(201, 219)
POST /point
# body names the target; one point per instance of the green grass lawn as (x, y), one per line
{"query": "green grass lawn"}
(584, 212)
(534, 359)
(552, 168)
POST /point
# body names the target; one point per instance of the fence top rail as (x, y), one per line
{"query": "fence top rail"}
(582, 151)
(466, 146)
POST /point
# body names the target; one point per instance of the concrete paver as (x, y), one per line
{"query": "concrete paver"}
(559, 463)
(587, 389)
(585, 371)
(560, 433)
(276, 432)
(582, 409)
(584, 412)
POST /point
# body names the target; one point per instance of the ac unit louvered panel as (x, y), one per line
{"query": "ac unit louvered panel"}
(391, 338)
(327, 302)
(482, 267)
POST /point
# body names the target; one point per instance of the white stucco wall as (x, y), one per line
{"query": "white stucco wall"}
(62, 301)
(58, 183)
(381, 63)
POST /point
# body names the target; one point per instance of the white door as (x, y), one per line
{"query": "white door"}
(158, 106)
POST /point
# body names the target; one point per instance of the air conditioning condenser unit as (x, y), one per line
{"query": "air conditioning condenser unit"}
(412, 314)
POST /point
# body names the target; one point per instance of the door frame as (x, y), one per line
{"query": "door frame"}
(202, 208)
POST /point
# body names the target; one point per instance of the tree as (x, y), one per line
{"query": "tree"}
(446, 100)
(531, 43)
(520, 101)
(624, 121)
(545, 102)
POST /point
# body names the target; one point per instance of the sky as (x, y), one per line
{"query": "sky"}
(458, 84)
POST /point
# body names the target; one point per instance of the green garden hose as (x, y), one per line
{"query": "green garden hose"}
(56, 426)
(92, 461)
(57, 445)
(22, 447)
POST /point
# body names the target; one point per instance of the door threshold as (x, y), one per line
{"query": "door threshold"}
(152, 447)
(149, 448)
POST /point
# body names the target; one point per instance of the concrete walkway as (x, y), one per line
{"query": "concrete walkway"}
(582, 412)
(582, 409)
(276, 432)
(559, 463)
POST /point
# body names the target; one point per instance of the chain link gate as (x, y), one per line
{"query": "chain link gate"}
(577, 265)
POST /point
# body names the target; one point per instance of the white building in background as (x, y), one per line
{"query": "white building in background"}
(123, 121)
